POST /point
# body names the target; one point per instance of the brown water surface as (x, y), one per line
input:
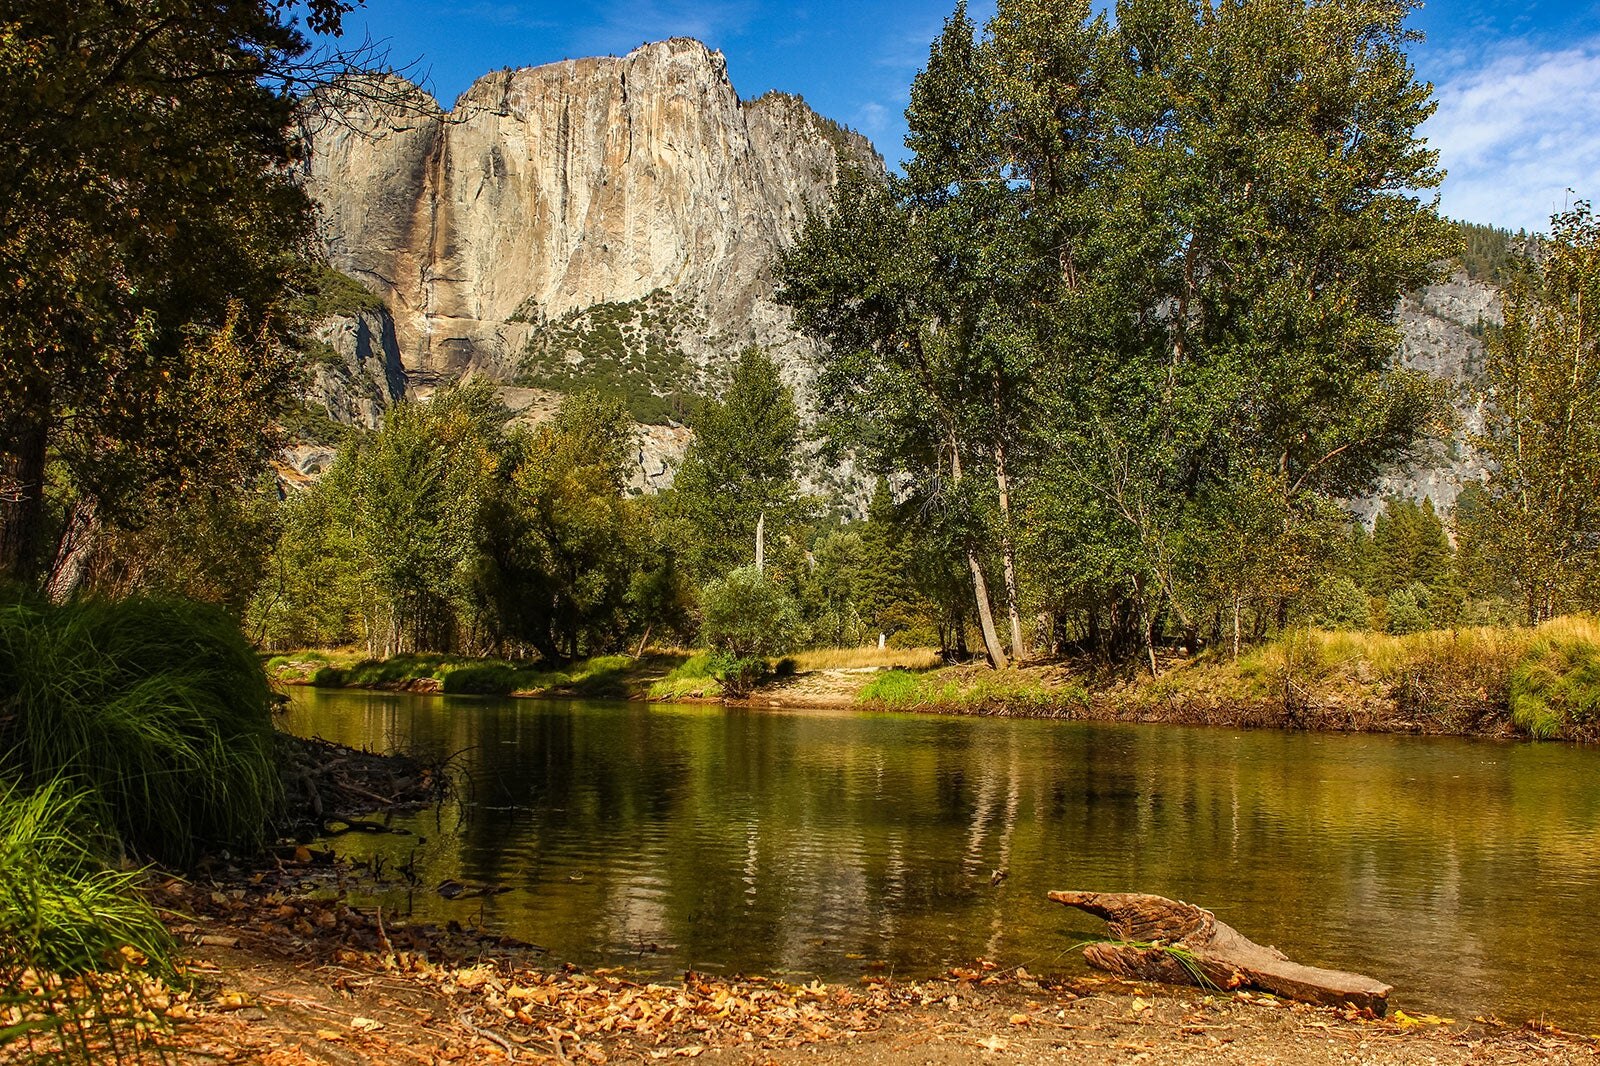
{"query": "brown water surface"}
(1466, 873)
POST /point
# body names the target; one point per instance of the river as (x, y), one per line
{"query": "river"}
(835, 843)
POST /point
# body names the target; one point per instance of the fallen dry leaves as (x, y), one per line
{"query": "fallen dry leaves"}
(287, 979)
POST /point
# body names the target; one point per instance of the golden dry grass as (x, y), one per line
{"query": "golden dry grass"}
(866, 658)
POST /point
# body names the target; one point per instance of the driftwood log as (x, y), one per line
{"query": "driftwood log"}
(1167, 940)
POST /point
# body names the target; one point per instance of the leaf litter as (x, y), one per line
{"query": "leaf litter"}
(285, 980)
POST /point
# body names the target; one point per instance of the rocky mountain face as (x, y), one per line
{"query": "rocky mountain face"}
(606, 218)
(1442, 331)
(614, 221)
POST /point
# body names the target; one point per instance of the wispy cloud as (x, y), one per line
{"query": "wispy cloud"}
(625, 24)
(1517, 131)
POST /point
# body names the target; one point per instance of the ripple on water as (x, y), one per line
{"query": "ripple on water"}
(828, 843)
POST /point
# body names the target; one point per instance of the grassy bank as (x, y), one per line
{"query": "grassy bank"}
(617, 677)
(1543, 683)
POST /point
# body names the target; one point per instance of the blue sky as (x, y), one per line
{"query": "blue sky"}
(1518, 83)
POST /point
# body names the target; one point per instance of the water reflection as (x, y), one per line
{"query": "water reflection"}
(828, 843)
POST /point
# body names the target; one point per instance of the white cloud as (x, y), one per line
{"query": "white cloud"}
(1517, 132)
(872, 119)
(626, 24)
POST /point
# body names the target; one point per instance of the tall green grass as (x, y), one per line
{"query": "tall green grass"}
(157, 710)
(77, 940)
(694, 678)
(62, 909)
(1555, 688)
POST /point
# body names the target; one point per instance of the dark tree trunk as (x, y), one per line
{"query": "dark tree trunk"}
(22, 465)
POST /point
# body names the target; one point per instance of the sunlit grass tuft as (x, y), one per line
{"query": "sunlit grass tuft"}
(78, 942)
(691, 679)
(867, 657)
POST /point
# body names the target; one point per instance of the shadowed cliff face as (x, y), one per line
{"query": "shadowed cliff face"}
(551, 190)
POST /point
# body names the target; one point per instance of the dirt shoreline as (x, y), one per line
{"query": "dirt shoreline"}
(287, 980)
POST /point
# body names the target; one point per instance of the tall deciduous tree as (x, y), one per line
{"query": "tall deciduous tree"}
(914, 285)
(1543, 421)
(1161, 257)
(150, 230)
(561, 548)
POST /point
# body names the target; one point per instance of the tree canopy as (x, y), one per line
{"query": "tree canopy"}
(151, 234)
(1159, 256)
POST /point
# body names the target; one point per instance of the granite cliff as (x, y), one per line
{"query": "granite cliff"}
(610, 218)
(614, 221)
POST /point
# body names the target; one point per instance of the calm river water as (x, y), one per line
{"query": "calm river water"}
(1466, 873)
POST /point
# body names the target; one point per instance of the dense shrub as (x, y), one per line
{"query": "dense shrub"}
(1555, 688)
(157, 710)
(745, 615)
(1341, 604)
(1407, 610)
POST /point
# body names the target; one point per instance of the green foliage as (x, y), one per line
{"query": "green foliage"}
(1406, 610)
(62, 908)
(991, 692)
(1160, 319)
(1534, 525)
(384, 547)
(748, 615)
(741, 465)
(305, 424)
(329, 677)
(157, 232)
(629, 352)
(738, 675)
(558, 551)
(1409, 547)
(1555, 688)
(67, 918)
(1339, 603)
(695, 677)
(332, 292)
(893, 688)
(158, 710)
(1488, 253)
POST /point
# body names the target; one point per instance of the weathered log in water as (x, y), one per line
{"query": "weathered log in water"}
(1168, 940)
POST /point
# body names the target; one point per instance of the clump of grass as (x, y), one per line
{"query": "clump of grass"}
(401, 669)
(694, 678)
(868, 657)
(61, 908)
(158, 711)
(78, 943)
(602, 677)
(894, 688)
(997, 692)
(491, 679)
(1555, 688)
